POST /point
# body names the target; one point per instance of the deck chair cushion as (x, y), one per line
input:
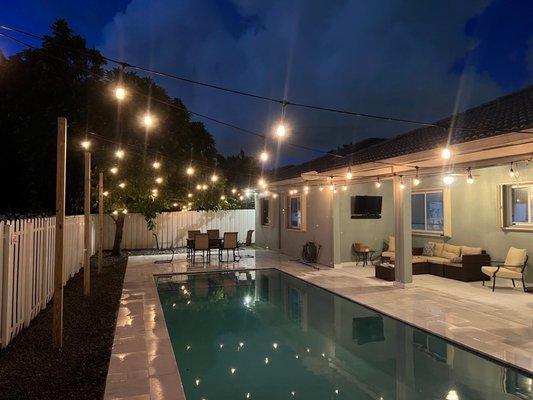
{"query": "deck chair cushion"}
(515, 257)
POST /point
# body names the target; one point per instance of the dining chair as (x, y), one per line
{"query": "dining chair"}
(201, 243)
(229, 243)
(190, 237)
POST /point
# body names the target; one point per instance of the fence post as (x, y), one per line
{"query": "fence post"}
(27, 265)
(100, 221)
(7, 281)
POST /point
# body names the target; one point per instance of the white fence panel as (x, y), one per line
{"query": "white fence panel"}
(172, 227)
(27, 268)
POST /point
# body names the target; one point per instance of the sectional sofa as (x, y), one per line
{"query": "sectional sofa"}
(457, 262)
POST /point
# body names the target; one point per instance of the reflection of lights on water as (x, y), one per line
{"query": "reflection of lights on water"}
(323, 355)
(197, 381)
(275, 345)
(296, 356)
(182, 287)
(336, 391)
(221, 345)
(247, 300)
(232, 370)
(308, 350)
(248, 395)
(188, 302)
(241, 344)
(266, 360)
(293, 393)
(173, 305)
(188, 347)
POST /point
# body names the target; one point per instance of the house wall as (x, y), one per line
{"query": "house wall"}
(476, 213)
(371, 232)
(318, 227)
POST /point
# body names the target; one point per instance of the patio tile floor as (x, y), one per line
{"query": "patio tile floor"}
(498, 324)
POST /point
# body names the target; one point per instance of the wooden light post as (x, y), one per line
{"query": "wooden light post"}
(100, 221)
(60, 220)
(87, 226)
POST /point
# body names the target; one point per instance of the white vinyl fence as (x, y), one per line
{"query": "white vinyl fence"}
(172, 227)
(27, 268)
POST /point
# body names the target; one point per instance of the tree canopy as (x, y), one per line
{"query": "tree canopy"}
(66, 78)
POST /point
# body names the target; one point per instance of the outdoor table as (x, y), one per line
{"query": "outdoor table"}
(366, 256)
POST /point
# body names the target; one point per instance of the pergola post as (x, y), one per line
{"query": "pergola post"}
(60, 220)
(403, 266)
(100, 221)
(87, 226)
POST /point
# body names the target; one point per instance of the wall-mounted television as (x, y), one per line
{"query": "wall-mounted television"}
(366, 207)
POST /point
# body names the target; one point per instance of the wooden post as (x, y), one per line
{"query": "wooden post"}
(100, 221)
(60, 220)
(87, 227)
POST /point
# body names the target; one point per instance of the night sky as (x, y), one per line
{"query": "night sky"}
(411, 59)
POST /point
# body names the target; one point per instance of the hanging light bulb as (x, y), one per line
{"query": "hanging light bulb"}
(416, 180)
(512, 172)
(156, 164)
(204, 187)
(280, 130)
(174, 204)
(214, 178)
(189, 171)
(241, 197)
(122, 185)
(321, 188)
(469, 178)
(86, 144)
(402, 185)
(148, 120)
(155, 191)
(222, 197)
(120, 154)
(198, 187)
(106, 193)
(349, 174)
(263, 156)
(125, 211)
(274, 195)
(448, 179)
(120, 93)
(233, 191)
(378, 183)
(446, 153)
(260, 182)
(189, 195)
(344, 188)
(113, 170)
(306, 189)
(115, 212)
(159, 180)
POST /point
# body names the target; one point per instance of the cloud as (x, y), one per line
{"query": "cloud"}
(387, 57)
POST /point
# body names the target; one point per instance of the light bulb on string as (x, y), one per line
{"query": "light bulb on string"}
(349, 174)
(263, 156)
(148, 120)
(222, 197)
(446, 153)
(378, 183)
(281, 130)
(416, 180)
(86, 144)
(113, 170)
(448, 179)
(469, 178)
(189, 195)
(122, 185)
(120, 93)
(204, 187)
(159, 180)
(156, 165)
(233, 191)
(402, 185)
(190, 170)
(214, 178)
(512, 172)
(120, 154)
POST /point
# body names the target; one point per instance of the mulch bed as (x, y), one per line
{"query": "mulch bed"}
(30, 368)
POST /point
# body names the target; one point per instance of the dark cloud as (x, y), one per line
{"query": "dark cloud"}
(389, 57)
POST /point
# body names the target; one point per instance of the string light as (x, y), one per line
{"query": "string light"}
(321, 188)
(448, 179)
(148, 120)
(222, 197)
(120, 154)
(469, 178)
(241, 197)
(174, 204)
(189, 171)
(344, 188)
(214, 178)
(159, 180)
(106, 193)
(156, 164)
(204, 187)
(416, 180)
(189, 195)
(120, 93)
(378, 183)
(113, 170)
(306, 189)
(446, 153)
(86, 144)
(512, 172)
(233, 191)
(125, 211)
(349, 174)
(263, 156)
(402, 185)
(198, 187)
(275, 195)
(280, 129)
(115, 212)
(122, 185)
(155, 191)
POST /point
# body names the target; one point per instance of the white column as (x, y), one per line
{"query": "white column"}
(403, 267)
(336, 238)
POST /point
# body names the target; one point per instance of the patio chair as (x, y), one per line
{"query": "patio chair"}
(213, 233)
(201, 243)
(513, 268)
(229, 243)
(190, 237)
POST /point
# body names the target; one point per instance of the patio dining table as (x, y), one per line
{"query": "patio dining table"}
(214, 243)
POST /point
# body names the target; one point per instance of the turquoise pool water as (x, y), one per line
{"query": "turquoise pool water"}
(267, 335)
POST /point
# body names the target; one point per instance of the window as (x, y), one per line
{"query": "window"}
(519, 204)
(427, 211)
(295, 212)
(265, 212)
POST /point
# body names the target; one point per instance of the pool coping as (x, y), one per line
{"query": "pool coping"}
(156, 373)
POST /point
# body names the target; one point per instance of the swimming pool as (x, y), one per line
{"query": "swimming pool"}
(264, 334)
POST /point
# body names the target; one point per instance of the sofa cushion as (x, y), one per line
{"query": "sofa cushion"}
(392, 244)
(438, 260)
(419, 259)
(450, 248)
(515, 257)
(449, 256)
(389, 254)
(470, 251)
(508, 273)
(428, 249)
(437, 249)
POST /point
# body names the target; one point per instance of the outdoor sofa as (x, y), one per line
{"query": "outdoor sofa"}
(462, 263)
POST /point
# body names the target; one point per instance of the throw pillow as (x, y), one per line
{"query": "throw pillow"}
(428, 249)
(470, 251)
(449, 256)
(437, 251)
(450, 248)
(392, 245)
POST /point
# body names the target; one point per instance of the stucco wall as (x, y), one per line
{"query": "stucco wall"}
(318, 226)
(371, 232)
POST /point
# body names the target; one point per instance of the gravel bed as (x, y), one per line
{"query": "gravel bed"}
(30, 368)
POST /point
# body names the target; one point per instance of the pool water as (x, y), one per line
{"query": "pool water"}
(267, 335)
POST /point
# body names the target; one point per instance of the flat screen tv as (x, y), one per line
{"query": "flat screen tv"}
(366, 207)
